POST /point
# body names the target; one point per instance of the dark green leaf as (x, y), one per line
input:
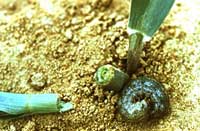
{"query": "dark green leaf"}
(146, 16)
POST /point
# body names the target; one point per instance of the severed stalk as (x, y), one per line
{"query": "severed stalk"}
(110, 78)
(14, 105)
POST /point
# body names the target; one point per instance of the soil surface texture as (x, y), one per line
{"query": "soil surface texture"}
(55, 46)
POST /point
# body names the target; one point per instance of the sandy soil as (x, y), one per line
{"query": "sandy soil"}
(65, 41)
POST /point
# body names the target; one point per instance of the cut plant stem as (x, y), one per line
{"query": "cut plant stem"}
(111, 78)
(134, 51)
(15, 105)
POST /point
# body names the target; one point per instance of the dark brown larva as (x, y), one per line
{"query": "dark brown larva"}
(143, 98)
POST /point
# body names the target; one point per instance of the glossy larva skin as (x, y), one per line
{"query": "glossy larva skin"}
(143, 98)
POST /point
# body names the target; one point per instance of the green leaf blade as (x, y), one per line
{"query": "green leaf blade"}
(146, 16)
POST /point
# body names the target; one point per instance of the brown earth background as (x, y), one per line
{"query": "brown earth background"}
(55, 46)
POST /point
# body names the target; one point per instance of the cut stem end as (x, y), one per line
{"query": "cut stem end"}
(110, 77)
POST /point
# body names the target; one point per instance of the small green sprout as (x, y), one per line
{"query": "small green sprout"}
(14, 105)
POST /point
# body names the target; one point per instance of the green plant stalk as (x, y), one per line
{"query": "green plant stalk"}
(145, 18)
(15, 105)
(110, 78)
(134, 51)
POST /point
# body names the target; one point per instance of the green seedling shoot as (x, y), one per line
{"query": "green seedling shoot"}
(145, 18)
(14, 105)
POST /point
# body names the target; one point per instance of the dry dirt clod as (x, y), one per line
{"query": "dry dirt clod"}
(86, 9)
(30, 126)
(38, 81)
(69, 34)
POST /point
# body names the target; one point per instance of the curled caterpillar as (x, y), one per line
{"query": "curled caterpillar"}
(143, 98)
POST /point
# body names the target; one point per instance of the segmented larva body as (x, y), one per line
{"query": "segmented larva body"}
(143, 98)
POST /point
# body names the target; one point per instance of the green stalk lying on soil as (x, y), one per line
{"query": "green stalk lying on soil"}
(15, 105)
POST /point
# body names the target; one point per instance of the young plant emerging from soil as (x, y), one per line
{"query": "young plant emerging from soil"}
(144, 97)
(145, 18)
